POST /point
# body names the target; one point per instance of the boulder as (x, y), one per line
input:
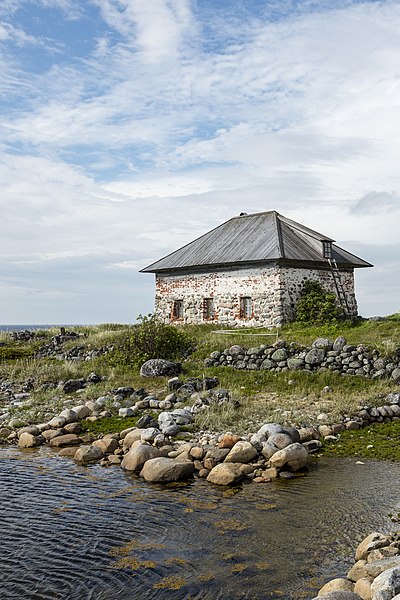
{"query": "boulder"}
(131, 437)
(270, 473)
(280, 440)
(169, 427)
(386, 585)
(182, 416)
(315, 356)
(323, 343)
(82, 411)
(57, 422)
(279, 355)
(164, 470)
(267, 364)
(377, 567)
(362, 587)
(217, 454)
(308, 433)
(73, 385)
(315, 445)
(49, 434)
(294, 364)
(268, 429)
(27, 440)
(69, 439)
(338, 595)
(158, 367)
(69, 415)
(335, 585)
(149, 434)
(138, 456)
(72, 428)
(393, 398)
(294, 456)
(384, 552)
(128, 411)
(68, 452)
(88, 454)
(225, 474)
(106, 445)
(242, 452)
(32, 429)
(371, 542)
(268, 449)
(145, 422)
(396, 374)
(197, 452)
(169, 422)
(235, 350)
(357, 571)
(339, 343)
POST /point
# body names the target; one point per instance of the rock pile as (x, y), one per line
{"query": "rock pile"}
(375, 574)
(324, 355)
(76, 353)
(149, 449)
(23, 335)
(223, 460)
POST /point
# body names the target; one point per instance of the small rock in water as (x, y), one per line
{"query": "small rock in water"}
(88, 454)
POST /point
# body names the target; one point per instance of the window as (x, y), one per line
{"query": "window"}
(177, 309)
(246, 307)
(327, 249)
(208, 309)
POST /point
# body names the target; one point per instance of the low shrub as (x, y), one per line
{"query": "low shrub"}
(316, 305)
(151, 338)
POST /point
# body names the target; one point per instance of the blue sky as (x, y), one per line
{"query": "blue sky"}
(129, 128)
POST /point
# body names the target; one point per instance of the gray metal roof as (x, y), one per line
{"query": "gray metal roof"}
(256, 238)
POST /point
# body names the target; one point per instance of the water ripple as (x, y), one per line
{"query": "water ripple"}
(98, 534)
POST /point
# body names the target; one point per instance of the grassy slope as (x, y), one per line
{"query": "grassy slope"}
(292, 397)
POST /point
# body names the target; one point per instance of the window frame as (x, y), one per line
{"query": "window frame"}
(177, 310)
(327, 249)
(208, 308)
(246, 308)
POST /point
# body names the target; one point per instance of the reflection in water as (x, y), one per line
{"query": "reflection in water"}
(80, 533)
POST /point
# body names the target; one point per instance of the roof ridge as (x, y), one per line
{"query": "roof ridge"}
(306, 230)
(279, 233)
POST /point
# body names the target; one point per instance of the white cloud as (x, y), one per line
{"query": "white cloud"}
(156, 28)
(377, 202)
(170, 125)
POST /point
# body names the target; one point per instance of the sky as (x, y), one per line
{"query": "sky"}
(128, 128)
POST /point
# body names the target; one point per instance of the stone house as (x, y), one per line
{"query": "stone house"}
(249, 271)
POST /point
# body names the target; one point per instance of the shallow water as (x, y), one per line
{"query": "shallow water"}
(97, 533)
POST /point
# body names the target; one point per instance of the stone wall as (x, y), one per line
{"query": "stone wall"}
(324, 355)
(274, 292)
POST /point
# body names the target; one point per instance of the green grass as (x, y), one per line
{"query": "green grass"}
(291, 397)
(109, 425)
(15, 353)
(379, 441)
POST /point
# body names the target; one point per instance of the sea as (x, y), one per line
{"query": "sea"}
(22, 327)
